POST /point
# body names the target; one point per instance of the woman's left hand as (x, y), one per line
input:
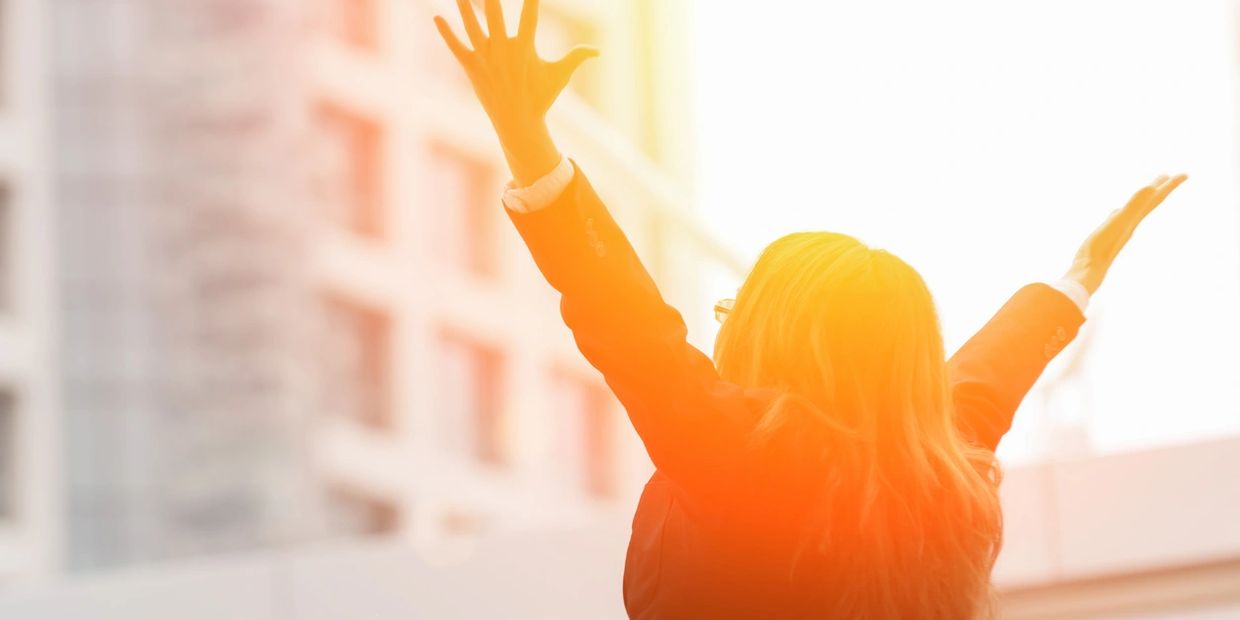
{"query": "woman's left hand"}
(1099, 251)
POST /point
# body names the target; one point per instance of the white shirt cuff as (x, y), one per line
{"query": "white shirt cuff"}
(1072, 290)
(543, 192)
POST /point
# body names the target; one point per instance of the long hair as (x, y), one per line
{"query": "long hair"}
(904, 518)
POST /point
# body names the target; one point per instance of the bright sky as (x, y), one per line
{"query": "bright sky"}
(982, 141)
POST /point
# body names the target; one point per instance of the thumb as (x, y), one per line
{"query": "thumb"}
(562, 70)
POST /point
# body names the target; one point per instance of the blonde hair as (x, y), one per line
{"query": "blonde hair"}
(906, 519)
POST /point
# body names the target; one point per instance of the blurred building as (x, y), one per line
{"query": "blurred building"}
(458, 403)
(30, 482)
(256, 290)
(256, 287)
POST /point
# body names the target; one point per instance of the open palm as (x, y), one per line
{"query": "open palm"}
(516, 86)
(1099, 251)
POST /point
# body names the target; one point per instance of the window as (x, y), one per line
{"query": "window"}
(454, 521)
(353, 22)
(5, 71)
(466, 201)
(358, 359)
(350, 179)
(356, 512)
(6, 251)
(8, 464)
(472, 399)
(585, 434)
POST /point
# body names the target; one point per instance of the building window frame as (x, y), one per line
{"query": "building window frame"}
(467, 233)
(371, 331)
(362, 208)
(596, 457)
(482, 433)
(10, 406)
(353, 23)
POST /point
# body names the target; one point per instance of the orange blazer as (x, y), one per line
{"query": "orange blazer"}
(705, 540)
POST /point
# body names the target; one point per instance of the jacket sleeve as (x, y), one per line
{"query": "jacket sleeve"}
(691, 422)
(993, 371)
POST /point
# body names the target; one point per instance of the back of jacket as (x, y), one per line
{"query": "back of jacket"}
(715, 533)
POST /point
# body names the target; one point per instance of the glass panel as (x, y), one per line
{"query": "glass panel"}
(353, 22)
(358, 361)
(584, 443)
(6, 251)
(355, 512)
(8, 465)
(472, 399)
(465, 200)
(350, 175)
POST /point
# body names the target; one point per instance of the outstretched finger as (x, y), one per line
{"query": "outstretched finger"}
(1158, 195)
(529, 21)
(495, 21)
(472, 28)
(562, 70)
(1170, 185)
(459, 50)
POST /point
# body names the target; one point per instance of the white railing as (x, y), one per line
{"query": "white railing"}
(1154, 532)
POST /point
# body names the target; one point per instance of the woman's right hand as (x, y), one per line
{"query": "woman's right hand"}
(515, 86)
(1099, 251)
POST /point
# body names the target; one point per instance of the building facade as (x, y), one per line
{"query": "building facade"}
(28, 505)
(258, 289)
(423, 269)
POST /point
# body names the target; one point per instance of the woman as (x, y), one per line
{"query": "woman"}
(828, 463)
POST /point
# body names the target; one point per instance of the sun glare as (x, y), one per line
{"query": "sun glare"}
(982, 142)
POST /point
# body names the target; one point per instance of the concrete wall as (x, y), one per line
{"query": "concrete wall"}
(570, 576)
(1079, 519)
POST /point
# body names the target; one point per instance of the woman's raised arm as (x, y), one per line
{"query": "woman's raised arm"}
(994, 370)
(691, 422)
